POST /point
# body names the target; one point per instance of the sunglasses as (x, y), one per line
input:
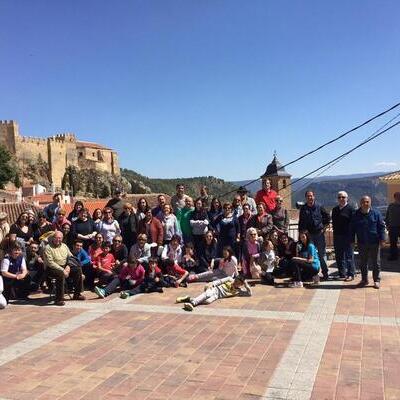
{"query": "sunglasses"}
(117, 241)
(341, 197)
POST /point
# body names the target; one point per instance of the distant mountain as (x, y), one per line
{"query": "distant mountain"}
(144, 184)
(326, 188)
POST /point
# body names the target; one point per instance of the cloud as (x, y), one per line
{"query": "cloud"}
(386, 164)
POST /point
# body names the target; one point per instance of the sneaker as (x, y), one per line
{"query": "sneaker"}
(377, 285)
(183, 299)
(100, 292)
(363, 283)
(315, 279)
(123, 295)
(188, 307)
(296, 284)
(349, 279)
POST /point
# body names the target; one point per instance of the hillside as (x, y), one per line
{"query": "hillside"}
(326, 188)
(143, 184)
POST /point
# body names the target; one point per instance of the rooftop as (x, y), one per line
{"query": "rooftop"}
(275, 169)
(92, 145)
(393, 176)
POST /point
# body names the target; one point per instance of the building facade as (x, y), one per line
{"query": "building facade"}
(58, 151)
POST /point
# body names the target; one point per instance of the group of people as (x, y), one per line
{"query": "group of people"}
(142, 249)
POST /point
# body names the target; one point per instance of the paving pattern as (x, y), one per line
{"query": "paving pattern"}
(330, 342)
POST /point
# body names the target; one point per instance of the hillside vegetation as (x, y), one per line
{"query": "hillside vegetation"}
(143, 184)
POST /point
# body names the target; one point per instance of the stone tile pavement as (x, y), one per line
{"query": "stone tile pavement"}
(330, 342)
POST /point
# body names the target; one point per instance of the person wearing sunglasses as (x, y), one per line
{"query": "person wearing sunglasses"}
(341, 217)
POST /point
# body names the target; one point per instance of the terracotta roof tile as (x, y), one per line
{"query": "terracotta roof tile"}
(13, 210)
(394, 176)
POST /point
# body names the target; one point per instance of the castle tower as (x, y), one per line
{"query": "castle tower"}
(9, 133)
(280, 181)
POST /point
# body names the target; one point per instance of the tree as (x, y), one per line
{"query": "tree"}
(7, 171)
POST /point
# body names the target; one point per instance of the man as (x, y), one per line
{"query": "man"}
(315, 219)
(178, 200)
(50, 211)
(158, 210)
(86, 263)
(116, 204)
(393, 224)
(267, 196)
(205, 197)
(242, 192)
(56, 255)
(341, 217)
(368, 227)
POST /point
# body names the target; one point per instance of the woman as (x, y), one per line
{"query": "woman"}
(214, 213)
(74, 214)
(307, 265)
(68, 238)
(237, 206)
(244, 224)
(170, 224)
(60, 220)
(286, 250)
(22, 229)
(141, 250)
(228, 229)
(95, 249)
(109, 226)
(262, 221)
(251, 247)
(274, 238)
(128, 222)
(208, 254)
(142, 206)
(4, 226)
(280, 216)
(199, 224)
(83, 228)
(97, 217)
(43, 227)
(153, 228)
(120, 253)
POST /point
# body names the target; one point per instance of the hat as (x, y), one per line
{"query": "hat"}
(3, 215)
(242, 189)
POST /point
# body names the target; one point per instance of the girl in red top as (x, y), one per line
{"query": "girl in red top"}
(104, 264)
(95, 249)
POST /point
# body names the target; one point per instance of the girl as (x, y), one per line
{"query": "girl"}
(173, 250)
(227, 267)
(220, 289)
(104, 264)
(188, 262)
(208, 253)
(265, 262)
(307, 265)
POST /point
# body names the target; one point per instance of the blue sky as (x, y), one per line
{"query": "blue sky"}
(187, 88)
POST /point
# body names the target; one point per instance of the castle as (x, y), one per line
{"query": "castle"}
(58, 151)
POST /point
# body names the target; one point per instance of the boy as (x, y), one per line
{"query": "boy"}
(35, 265)
(220, 289)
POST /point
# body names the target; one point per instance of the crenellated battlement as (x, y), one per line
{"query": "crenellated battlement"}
(7, 122)
(63, 137)
(32, 140)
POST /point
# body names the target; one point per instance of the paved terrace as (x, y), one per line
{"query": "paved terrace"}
(328, 342)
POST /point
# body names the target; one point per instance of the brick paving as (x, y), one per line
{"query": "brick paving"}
(331, 342)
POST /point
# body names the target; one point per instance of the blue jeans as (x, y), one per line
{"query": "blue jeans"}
(344, 255)
(319, 241)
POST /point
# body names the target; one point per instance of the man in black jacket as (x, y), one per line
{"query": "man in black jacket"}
(315, 219)
(341, 217)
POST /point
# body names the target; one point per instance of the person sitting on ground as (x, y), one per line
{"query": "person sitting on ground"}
(83, 228)
(220, 289)
(104, 264)
(56, 255)
(174, 275)
(120, 253)
(35, 265)
(251, 247)
(74, 214)
(208, 255)
(3, 301)
(265, 263)
(170, 224)
(173, 250)
(188, 261)
(228, 266)
(130, 276)
(286, 250)
(86, 263)
(95, 249)
(153, 281)
(15, 274)
(307, 265)
(141, 250)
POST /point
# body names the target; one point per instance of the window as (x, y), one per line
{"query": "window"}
(284, 183)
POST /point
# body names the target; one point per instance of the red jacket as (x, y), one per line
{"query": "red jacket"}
(268, 198)
(154, 231)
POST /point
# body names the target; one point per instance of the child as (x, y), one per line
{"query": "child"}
(104, 264)
(263, 264)
(35, 266)
(227, 267)
(173, 250)
(220, 289)
(188, 262)
(130, 277)
(153, 281)
(174, 275)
